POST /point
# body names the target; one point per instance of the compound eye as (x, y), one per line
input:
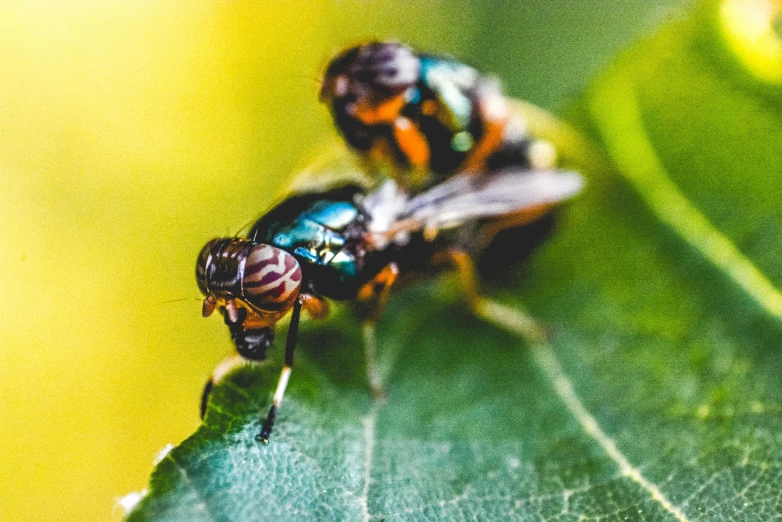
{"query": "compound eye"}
(388, 67)
(203, 264)
(272, 278)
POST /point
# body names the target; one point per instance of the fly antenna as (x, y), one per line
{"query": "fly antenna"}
(243, 229)
(181, 300)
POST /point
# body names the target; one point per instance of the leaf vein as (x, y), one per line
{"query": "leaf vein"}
(465, 495)
(369, 423)
(620, 122)
(201, 502)
(509, 319)
(316, 466)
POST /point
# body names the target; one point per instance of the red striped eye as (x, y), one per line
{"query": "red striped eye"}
(272, 278)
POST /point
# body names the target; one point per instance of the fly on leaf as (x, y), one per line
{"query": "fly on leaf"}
(463, 168)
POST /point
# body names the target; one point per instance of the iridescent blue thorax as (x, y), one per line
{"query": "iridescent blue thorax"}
(317, 236)
(451, 82)
(324, 233)
(443, 107)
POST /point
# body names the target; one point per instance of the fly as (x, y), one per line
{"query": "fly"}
(348, 244)
(423, 117)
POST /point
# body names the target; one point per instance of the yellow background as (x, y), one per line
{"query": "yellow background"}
(131, 132)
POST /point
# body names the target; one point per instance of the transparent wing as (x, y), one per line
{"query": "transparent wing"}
(334, 165)
(572, 147)
(467, 197)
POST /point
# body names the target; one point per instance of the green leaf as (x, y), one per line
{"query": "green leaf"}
(657, 396)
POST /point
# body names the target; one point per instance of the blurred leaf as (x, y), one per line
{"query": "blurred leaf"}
(658, 397)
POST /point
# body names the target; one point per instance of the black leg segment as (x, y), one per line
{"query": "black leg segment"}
(290, 345)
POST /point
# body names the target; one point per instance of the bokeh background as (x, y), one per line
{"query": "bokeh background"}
(131, 132)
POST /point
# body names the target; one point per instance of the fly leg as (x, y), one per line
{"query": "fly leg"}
(285, 374)
(465, 268)
(489, 231)
(372, 298)
(221, 370)
(316, 307)
(251, 345)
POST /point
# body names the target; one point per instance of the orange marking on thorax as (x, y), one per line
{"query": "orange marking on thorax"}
(316, 307)
(490, 142)
(378, 285)
(495, 118)
(259, 318)
(385, 112)
(412, 143)
(376, 292)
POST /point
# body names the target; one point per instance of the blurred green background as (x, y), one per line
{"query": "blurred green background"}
(133, 132)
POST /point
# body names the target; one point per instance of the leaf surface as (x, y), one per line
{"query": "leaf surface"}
(658, 395)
